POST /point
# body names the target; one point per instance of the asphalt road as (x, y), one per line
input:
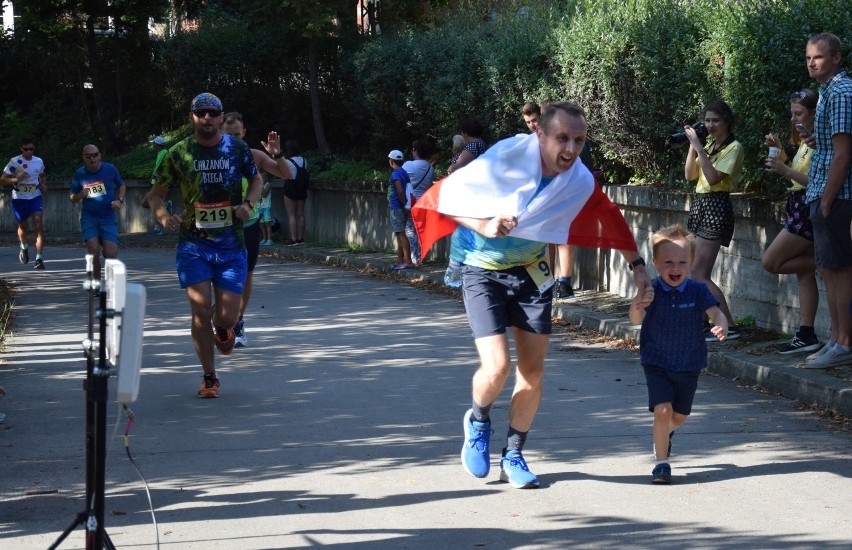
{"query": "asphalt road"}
(340, 426)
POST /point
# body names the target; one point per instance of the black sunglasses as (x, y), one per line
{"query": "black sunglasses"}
(27, 148)
(201, 113)
(798, 95)
(91, 155)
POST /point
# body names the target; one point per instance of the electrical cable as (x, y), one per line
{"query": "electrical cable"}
(130, 419)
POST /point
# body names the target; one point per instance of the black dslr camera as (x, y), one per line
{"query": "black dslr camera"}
(679, 139)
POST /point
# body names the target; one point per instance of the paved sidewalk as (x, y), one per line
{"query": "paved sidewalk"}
(756, 363)
(340, 426)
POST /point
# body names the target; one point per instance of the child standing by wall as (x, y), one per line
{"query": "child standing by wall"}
(672, 347)
(396, 208)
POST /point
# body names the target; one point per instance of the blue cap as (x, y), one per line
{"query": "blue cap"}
(206, 100)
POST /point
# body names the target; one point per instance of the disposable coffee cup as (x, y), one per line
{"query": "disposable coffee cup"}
(773, 152)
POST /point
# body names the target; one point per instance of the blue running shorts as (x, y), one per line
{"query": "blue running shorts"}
(227, 270)
(496, 299)
(24, 208)
(105, 230)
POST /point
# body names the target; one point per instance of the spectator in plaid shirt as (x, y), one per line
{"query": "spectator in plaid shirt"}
(829, 193)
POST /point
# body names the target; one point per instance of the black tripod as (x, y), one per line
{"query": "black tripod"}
(97, 376)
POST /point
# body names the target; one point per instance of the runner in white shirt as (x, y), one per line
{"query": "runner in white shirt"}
(25, 173)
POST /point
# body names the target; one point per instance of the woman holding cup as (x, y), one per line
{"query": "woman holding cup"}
(792, 251)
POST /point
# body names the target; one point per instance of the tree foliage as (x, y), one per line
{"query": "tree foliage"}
(641, 69)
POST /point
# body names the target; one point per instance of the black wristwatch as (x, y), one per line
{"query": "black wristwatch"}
(637, 262)
(277, 155)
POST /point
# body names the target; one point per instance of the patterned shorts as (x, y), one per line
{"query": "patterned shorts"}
(712, 217)
(397, 219)
(799, 216)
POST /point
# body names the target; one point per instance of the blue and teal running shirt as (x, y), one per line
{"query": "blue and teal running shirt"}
(210, 181)
(471, 248)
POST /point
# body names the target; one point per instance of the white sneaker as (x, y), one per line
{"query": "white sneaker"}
(820, 353)
(831, 358)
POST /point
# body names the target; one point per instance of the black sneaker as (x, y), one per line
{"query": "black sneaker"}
(39, 264)
(662, 474)
(733, 333)
(564, 292)
(24, 256)
(797, 345)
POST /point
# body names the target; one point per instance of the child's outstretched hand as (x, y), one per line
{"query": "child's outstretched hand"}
(643, 301)
(720, 332)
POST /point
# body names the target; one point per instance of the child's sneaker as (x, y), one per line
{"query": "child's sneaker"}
(474, 453)
(209, 386)
(662, 474)
(514, 470)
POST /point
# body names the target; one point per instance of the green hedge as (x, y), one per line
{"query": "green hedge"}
(642, 69)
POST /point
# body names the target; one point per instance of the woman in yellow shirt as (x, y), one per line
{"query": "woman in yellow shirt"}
(792, 251)
(711, 218)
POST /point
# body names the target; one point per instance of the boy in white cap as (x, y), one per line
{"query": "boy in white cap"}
(396, 209)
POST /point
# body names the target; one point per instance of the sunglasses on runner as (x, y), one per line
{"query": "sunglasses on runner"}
(201, 113)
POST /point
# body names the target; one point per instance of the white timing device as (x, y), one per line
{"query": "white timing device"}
(124, 328)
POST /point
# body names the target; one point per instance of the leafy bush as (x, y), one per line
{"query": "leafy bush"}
(422, 83)
(636, 69)
(644, 68)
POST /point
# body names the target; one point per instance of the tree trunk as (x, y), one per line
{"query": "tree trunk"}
(100, 105)
(316, 112)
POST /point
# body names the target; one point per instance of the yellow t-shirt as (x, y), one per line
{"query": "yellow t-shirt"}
(728, 160)
(801, 163)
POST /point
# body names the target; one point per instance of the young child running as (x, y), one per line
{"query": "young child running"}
(671, 343)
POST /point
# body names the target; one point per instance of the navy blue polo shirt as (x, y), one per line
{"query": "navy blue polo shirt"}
(672, 335)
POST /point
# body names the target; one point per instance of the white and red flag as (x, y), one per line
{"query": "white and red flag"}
(572, 209)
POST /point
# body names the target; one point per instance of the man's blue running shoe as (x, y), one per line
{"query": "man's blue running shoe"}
(513, 469)
(474, 453)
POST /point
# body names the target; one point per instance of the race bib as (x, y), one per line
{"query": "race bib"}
(26, 188)
(541, 274)
(96, 189)
(212, 215)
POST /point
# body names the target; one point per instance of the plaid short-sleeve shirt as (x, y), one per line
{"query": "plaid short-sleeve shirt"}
(833, 116)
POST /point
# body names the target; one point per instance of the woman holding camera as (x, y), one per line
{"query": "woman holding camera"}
(792, 251)
(711, 218)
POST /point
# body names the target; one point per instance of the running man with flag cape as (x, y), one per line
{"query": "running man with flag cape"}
(502, 208)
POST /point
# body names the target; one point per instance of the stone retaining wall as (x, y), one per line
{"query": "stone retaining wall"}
(356, 214)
